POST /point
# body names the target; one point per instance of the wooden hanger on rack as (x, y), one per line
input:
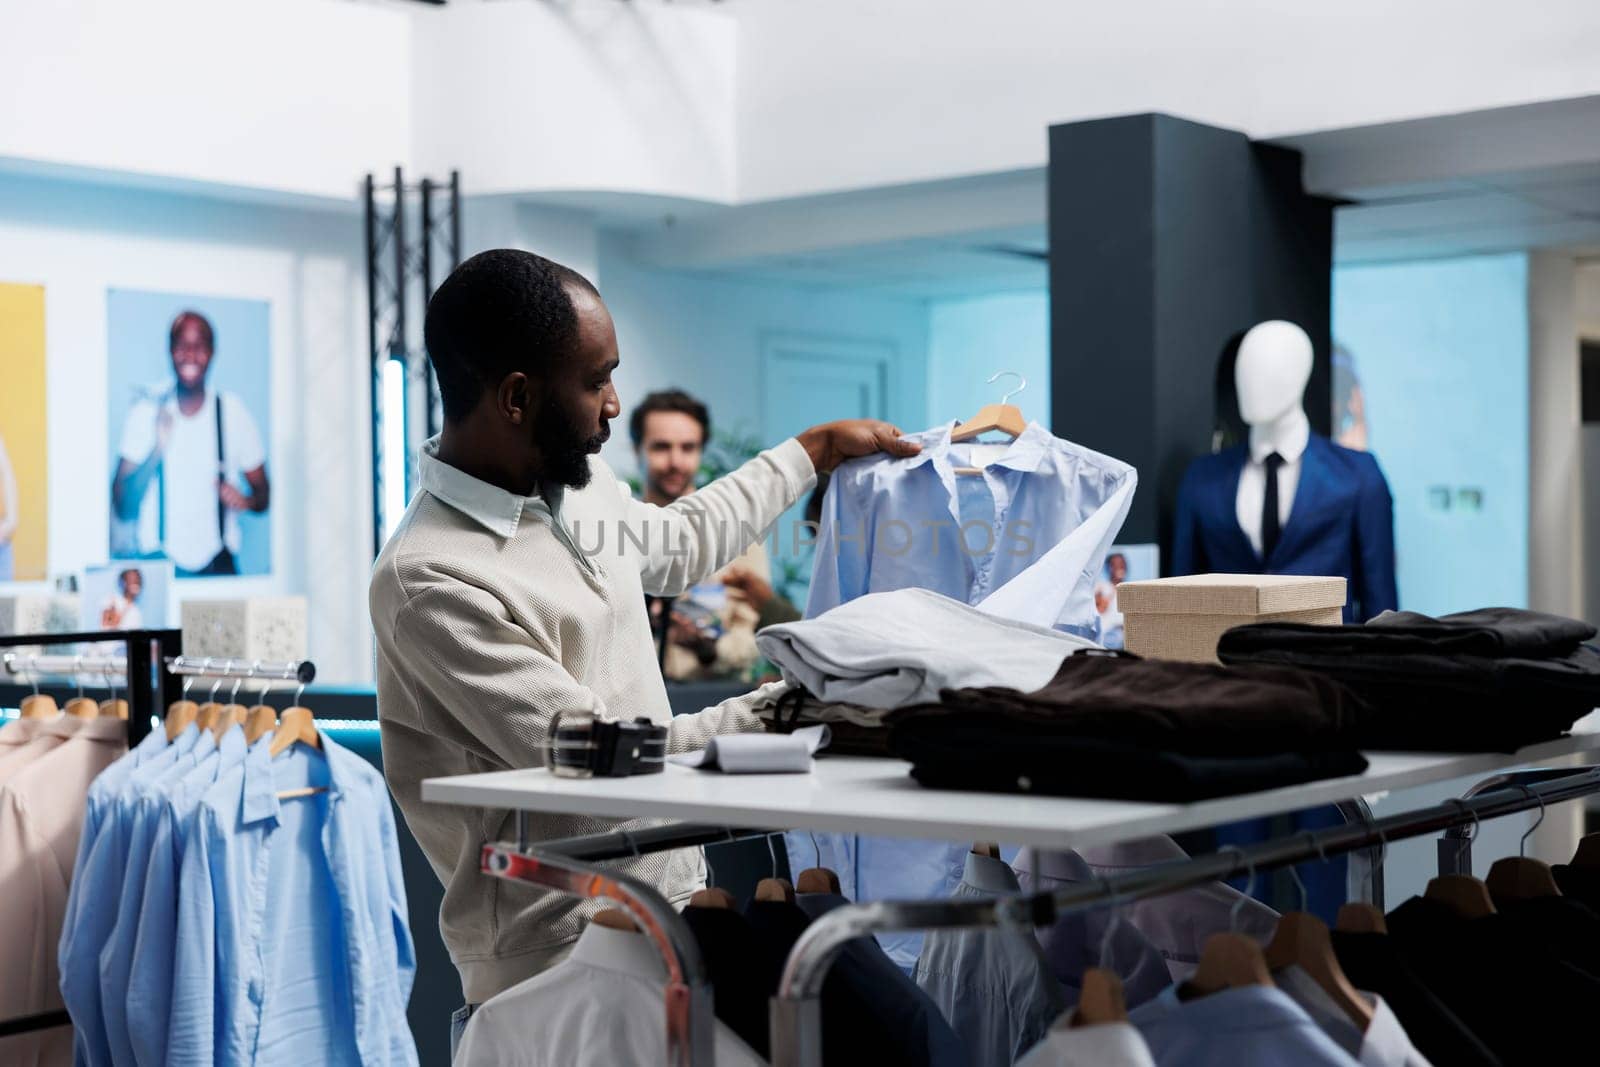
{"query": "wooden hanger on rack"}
(1359, 917)
(712, 898)
(775, 889)
(181, 714)
(295, 725)
(1230, 960)
(39, 705)
(1302, 940)
(114, 708)
(261, 720)
(817, 880)
(1518, 877)
(986, 848)
(1467, 897)
(80, 706)
(1100, 1001)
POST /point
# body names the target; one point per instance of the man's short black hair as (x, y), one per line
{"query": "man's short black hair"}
(669, 400)
(501, 311)
(183, 319)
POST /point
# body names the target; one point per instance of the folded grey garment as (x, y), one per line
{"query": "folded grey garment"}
(890, 650)
(777, 701)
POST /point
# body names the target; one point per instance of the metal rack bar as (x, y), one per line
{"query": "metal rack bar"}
(148, 689)
(302, 670)
(796, 1010)
(688, 992)
(15, 663)
(1455, 847)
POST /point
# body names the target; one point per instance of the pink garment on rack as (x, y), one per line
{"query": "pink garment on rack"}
(41, 817)
(46, 735)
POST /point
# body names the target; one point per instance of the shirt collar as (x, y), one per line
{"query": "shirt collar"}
(1101, 1043)
(20, 731)
(1248, 1008)
(618, 950)
(1291, 445)
(1024, 454)
(989, 875)
(260, 783)
(104, 728)
(63, 725)
(489, 506)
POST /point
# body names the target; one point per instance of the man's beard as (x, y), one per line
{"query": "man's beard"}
(566, 453)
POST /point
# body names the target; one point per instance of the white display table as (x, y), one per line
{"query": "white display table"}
(877, 796)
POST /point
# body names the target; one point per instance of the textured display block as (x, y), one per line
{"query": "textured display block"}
(1182, 618)
(271, 629)
(38, 613)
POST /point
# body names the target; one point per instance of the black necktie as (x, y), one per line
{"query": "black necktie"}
(1270, 528)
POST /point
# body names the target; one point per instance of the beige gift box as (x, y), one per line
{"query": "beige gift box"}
(1182, 618)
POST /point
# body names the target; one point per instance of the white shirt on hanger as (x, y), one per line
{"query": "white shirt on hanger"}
(1252, 496)
(604, 1004)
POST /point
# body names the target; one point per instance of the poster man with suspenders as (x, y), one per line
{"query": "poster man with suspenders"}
(184, 454)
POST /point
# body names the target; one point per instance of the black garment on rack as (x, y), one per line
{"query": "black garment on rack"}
(1579, 883)
(881, 1017)
(743, 975)
(1568, 928)
(1490, 680)
(1373, 963)
(1525, 1004)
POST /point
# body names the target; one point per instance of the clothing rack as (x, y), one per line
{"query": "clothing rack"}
(796, 1011)
(688, 992)
(149, 690)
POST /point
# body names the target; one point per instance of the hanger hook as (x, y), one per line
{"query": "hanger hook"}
(1000, 373)
(772, 854)
(77, 674)
(1522, 849)
(33, 673)
(1249, 888)
(1472, 839)
(1115, 917)
(205, 668)
(298, 692)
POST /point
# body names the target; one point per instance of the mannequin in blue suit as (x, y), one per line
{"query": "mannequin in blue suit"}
(1340, 517)
(1335, 518)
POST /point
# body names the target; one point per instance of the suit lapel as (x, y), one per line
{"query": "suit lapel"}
(1227, 503)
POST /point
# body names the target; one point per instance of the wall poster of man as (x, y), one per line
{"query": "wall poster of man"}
(24, 516)
(190, 414)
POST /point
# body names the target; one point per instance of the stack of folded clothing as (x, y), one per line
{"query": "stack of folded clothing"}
(1491, 680)
(1113, 725)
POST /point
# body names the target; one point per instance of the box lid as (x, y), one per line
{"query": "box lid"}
(1230, 594)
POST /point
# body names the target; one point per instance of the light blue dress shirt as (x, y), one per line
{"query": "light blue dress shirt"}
(149, 983)
(139, 808)
(1024, 540)
(92, 912)
(292, 944)
(1255, 1026)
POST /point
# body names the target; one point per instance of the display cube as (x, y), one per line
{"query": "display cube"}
(1183, 618)
(270, 629)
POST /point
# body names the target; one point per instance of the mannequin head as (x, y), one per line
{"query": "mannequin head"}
(1273, 368)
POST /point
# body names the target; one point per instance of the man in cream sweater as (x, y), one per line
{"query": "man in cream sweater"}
(514, 587)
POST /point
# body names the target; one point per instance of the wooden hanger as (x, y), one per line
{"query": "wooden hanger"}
(39, 706)
(1302, 940)
(712, 898)
(986, 848)
(295, 724)
(1360, 918)
(206, 717)
(775, 889)
(1101, 1000)
(260, 721)
(179, 716)
(82, 708)
(817, 880)
(1587, 858)
(232, 715)
(1004, 416)
(1520, 878)
(117, 709)
(1467, 897)
(615, 919)
(1230, 961)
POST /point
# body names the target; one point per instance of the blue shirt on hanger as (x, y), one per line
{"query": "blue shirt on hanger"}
(292, 943)
(91, 912)
(140, 803)
(1253, 1026)
(148, 999)
(1024, 540)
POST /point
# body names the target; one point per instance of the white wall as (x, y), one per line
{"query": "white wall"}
(78, 241)
(292, 96)
(968, 340)
(577, 96)
(836, 94)
(705, 335)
